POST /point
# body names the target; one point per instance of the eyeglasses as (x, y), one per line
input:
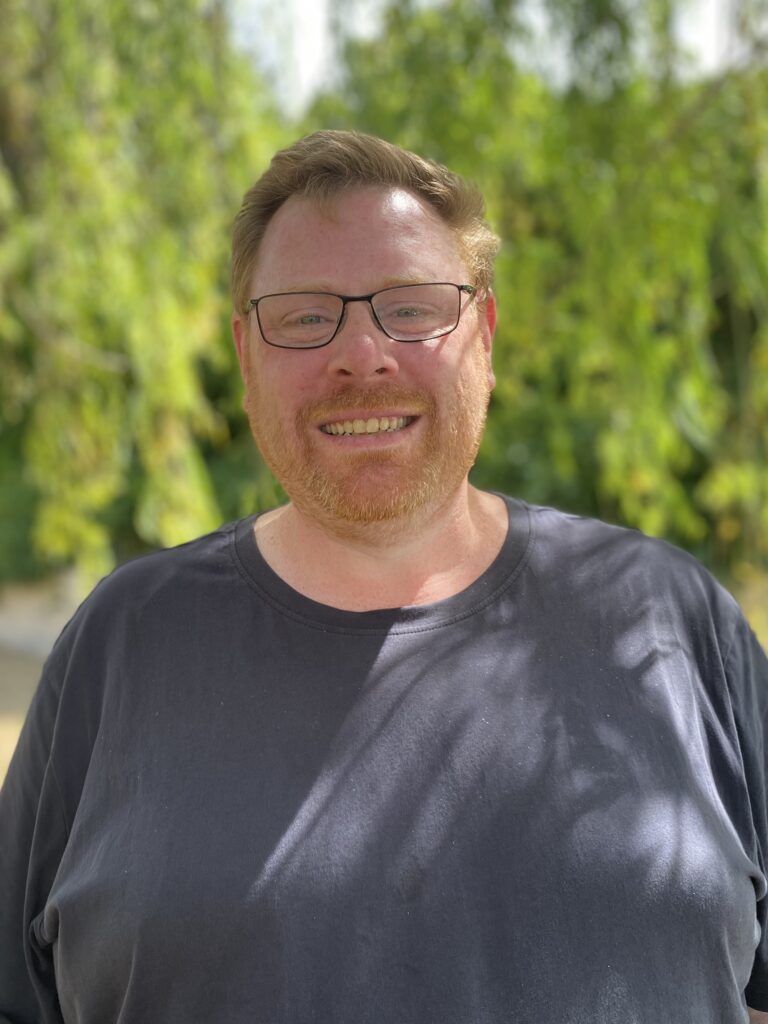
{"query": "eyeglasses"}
(413, 312)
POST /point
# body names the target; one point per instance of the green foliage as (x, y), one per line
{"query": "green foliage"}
(631, 350)
(17, 509)
(128, 132)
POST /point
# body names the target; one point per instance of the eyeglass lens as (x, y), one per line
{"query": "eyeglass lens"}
(408, 313)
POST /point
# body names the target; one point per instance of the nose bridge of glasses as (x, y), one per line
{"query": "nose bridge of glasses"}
(347, 300)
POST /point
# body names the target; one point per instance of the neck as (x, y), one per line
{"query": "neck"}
(360, 567)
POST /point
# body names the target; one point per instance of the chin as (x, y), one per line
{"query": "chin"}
(379, 492)
(374, 497)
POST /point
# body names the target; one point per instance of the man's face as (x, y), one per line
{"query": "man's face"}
(435, 392)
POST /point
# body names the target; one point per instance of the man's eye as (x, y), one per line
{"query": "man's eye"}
(404, 312)
(307, 319)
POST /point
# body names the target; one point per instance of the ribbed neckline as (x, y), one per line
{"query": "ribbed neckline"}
(414, 618)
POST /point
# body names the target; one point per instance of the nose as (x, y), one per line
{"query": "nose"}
(361, 349)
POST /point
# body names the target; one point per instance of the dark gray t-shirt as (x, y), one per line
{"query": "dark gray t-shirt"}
(540, 800)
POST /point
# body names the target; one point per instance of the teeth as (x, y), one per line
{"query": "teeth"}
(374, 425)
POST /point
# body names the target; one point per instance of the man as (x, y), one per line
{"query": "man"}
(399, 750)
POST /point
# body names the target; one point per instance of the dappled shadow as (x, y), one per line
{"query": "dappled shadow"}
(548, 792)
(534, 806)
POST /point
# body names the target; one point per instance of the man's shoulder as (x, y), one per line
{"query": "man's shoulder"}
(206, 554)
(578, 549)
(587, 535)
(160, 582)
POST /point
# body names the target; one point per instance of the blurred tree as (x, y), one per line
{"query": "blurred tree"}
(633, 347)
(128, 132)
(633, 341)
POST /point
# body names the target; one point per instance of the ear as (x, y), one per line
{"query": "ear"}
(487, 316)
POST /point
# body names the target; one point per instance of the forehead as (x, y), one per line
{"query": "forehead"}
(358, 241)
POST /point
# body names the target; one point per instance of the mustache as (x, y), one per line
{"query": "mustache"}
(383, 396)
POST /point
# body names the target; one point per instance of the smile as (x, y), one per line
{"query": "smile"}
(372, 425)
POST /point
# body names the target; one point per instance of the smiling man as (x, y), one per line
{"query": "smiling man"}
(399, 751)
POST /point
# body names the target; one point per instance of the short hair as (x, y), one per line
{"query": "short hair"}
(326, 163)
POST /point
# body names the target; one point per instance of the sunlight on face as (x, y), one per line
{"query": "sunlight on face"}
(364, 241)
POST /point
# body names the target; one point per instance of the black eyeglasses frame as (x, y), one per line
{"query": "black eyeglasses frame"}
(253, 304)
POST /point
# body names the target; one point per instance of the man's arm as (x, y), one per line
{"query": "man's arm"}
(28, 810)
(757, 1016)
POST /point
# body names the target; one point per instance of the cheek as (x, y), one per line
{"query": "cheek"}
(475, 366)
(490, 376)
(282, 381)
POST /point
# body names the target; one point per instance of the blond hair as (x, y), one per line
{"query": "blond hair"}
(326, 163)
